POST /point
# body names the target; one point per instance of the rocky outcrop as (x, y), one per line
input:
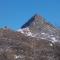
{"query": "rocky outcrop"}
(16, 46)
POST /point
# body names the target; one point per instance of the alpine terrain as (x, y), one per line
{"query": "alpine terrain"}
(37, 39)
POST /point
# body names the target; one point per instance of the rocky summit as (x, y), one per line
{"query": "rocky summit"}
(38, 27)
(37, 39)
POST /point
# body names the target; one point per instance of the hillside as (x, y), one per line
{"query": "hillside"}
(31, 42)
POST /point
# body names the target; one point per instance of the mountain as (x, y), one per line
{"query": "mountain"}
(38, 27)
(36, 40)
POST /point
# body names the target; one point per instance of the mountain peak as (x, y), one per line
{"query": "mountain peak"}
(33, 21)
(37, 24)
(37, 16)
(38, 27)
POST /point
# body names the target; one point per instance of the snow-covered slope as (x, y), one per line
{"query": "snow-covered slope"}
(37, 27)
(25, 31)
(42, 35)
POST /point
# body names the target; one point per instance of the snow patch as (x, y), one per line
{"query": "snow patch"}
(53, 39)
(51, 44)
(20, 30)
(19, 56)
(25, 31)
(43, 33)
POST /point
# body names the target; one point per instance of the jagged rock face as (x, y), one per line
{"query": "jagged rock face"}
(38, 24)
(16, 46)
(38, 27)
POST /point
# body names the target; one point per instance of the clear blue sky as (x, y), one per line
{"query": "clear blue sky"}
(14, 13)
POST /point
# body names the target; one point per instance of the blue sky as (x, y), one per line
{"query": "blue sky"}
(14, 13)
